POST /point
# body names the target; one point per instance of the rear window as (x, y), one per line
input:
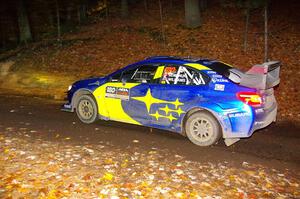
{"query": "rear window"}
(220, 68)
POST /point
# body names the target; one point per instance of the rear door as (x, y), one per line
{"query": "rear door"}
(179, 89)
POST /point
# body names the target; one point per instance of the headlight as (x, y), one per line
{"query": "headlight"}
(70, 87)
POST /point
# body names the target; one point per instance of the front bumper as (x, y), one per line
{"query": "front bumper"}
(67, 108)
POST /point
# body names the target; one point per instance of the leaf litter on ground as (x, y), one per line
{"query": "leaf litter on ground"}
(60, 169)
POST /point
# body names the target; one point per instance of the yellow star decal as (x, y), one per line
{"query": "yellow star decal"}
(177, 103)
(148, 99)
(166, 109)
(156, 115)
(179, 111)
(170, 117)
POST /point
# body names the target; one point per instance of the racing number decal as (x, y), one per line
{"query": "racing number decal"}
(117, 92)
(109, 99)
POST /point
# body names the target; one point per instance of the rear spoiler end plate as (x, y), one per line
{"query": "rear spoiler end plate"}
(262, 76)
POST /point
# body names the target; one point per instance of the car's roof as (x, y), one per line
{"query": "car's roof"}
(187, 59)
(197, 63)
(182, 60)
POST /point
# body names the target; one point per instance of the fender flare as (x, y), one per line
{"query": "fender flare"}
(196, 109)
(77, 94)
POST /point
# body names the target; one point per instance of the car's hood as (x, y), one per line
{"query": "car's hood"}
(90, 83)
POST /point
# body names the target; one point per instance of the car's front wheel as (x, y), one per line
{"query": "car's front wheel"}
(202, 129)
(86, 109)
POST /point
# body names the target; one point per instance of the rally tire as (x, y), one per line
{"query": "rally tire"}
(86, 109)
(202, 128)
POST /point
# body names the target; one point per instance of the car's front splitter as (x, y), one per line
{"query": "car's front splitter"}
(67, 107)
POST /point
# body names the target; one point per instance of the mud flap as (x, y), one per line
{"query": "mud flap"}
(231, 141)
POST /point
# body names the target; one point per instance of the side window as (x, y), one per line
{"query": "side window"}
(169, 75)
(116, 77)
(181, 75)
(142, 74)
(128, 74)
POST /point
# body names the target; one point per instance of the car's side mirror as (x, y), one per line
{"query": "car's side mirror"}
(124, 80)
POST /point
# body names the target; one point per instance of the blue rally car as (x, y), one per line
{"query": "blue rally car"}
(199, 98)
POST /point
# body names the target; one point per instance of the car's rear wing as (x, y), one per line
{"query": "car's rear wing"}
(263, 76)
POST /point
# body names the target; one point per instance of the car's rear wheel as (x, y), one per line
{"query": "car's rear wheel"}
(86, 109)
(202, 128)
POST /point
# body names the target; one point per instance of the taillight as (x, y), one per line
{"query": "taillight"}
(250, 98)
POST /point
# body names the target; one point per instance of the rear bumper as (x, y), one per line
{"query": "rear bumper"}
(265, 118)
(261, 118)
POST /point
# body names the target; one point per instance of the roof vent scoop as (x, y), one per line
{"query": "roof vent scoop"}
(235, 75)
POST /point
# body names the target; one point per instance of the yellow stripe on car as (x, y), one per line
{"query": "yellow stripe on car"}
(197, 66)
(112, 107)
(159, 72)
(226, 64)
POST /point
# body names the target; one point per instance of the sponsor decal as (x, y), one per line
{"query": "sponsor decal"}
(219, 80)
(242, 114)
(259, 123)
(170, 113)
(211, 72)
(67, 106)
(117, 92)
(261, 110)
(217, 76)
(219, 87)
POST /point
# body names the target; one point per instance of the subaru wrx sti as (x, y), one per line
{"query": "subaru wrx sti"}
(199, 98)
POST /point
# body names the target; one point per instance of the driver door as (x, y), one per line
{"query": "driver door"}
(126, 98)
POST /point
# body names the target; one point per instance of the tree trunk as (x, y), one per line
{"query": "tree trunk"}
(203, 5)
(69, 14)
(106, 9)
(192, 14)
(58, 20)
(171, 4)
(146, 5)
(2, 33)
(81, 13)
(246, 29)
(50, 14)
(124, 8)
(266, 33)
(78, 14)
(161, 23)
(24, 26)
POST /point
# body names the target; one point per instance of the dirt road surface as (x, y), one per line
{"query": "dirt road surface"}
(48, 153)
